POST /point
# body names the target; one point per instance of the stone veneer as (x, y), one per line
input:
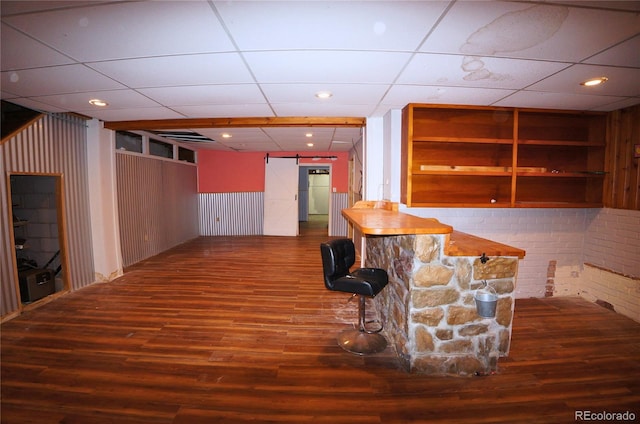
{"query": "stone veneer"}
(428, 308)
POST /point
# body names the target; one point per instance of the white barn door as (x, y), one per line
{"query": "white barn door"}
(280, 197)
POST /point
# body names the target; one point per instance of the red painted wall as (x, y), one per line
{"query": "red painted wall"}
(229, 172)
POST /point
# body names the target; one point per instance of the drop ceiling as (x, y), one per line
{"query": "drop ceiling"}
(174, 60)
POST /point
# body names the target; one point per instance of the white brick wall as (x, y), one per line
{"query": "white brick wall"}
(613, 240)
(620, 291)
(545, 234)
(607, 238)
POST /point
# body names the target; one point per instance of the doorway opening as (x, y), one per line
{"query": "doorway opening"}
(38, 233)
(315, 199)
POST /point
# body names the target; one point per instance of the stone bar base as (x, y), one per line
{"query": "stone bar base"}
(429, 310)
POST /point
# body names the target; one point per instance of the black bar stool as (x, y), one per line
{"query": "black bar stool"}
(338, 256)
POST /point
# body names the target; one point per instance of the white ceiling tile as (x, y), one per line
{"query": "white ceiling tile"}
(79, 102)
(472, 71)
(8, 96)
(308, 109)
(220, 68)
(303, 149)
(618, 104)
(326, 66)
(35, 105)
(294, 149)
(135, 114)
(537, 99)
(348, 135)
(624, 5)
(205, 94)
(455, 33)
(225, 111)
(365, 94)
(298, 134)
(622, 81)
(14, 45)
(390, 25)
(206, 146)
(253, 147)
(11, 7)
(56, 80)
(551, 32)
(238, 135)
(624, 54)
(400, 95)
(128, 29)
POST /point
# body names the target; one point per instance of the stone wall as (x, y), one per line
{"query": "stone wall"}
(429, 310)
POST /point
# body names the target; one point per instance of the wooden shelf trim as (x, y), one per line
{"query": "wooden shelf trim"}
(562, 143)
(562, 174)
(467, 173)
(476, 140)
(545, 204)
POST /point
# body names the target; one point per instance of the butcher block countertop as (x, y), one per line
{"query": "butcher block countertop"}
(382, 222)
(463, 244)
(383, 219)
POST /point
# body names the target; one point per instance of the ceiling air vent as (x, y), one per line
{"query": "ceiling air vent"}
(184, 136)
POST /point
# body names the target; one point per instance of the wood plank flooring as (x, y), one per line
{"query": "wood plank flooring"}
(241, 329)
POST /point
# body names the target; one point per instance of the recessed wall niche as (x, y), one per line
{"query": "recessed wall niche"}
(34, 202)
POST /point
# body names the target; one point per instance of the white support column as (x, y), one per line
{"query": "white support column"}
(373, 160)
(392, 154)
(105, 234)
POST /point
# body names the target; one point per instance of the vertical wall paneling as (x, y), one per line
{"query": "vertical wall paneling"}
(238, 214)
(231, 214)
(54, 144)
(180, 206)
(157, 205)
(339, 225)
(622, 182)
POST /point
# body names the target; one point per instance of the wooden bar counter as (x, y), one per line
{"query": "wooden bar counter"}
(376, 218)
(429, 308)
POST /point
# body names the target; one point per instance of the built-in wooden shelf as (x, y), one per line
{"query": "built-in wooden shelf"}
(459, 156)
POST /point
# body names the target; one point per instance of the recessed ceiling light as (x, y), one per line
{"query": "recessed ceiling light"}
(594, 81)
(226, 135)
(309, 144)
(308, 135)
(98, 102)
(324, 94)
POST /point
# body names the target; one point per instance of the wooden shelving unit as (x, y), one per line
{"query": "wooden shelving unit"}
(501, 157)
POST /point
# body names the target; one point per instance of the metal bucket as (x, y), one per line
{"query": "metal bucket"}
(486, 302)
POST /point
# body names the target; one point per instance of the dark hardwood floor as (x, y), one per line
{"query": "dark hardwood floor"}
(241, 329)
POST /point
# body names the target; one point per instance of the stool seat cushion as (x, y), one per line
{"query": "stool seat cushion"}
(364, 281)
(337, 258)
